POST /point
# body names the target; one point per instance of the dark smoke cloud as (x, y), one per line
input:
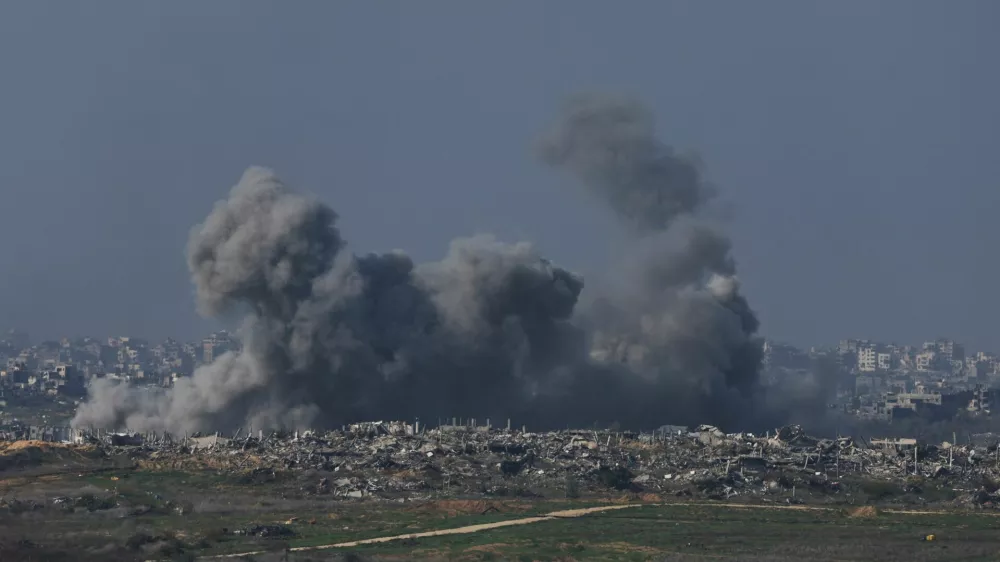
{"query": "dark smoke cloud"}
(611, 144)
(681, 314)
(332, 337)
(491, 330)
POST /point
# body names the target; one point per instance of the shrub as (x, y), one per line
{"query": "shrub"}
(572, 487)
(618, 477)
(877, 490)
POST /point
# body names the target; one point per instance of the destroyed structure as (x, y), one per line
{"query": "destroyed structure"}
(397, 460)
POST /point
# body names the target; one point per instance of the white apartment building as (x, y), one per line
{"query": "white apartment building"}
(867, 359)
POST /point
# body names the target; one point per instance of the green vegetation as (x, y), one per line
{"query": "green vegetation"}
(572, 487)
(146, 512)
(699, 532)
(141, 514)
(618, 478)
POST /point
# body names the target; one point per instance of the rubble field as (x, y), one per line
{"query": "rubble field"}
(392, 461)
(133, 495)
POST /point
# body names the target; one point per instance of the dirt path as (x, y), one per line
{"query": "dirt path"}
(565, 514)
(889, 511)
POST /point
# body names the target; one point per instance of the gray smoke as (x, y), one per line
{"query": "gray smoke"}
(491, 330)
(331, 337)
(611, 144)
(680, 317)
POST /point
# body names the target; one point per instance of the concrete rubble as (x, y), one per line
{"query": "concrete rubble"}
(396, 460)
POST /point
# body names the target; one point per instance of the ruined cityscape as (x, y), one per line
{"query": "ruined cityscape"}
(936, 380)
(417, 476)
(517, 287)
(372, 407)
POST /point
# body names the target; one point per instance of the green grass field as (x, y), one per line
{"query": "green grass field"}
(177, 515)
(709, 532)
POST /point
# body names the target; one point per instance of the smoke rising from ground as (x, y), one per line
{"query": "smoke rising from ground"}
(681, 313)
(491, 330)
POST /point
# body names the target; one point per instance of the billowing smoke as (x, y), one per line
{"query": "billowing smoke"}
(611, 144)
(331, 336)
(492, 330)
(680, 315)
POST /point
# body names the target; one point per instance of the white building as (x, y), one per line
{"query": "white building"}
(867, 359)
(925, 360)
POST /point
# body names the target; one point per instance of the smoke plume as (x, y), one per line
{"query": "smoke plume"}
(491, 330)
(681, 314)
(611, 144)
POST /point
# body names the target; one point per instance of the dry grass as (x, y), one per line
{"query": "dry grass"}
(46, 448)
(32, 454)
(625, 547)
(867, 511)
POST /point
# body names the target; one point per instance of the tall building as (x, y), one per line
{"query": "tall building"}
(867, 359)
(207, 350)
(949, 351)
(217, 344)
(884, 361)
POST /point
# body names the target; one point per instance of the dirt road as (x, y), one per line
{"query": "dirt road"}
(569, 513)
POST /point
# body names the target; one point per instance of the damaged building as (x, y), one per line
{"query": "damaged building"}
(406, 460)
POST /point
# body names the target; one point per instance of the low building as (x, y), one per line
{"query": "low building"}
(903, 404)
(925, 360)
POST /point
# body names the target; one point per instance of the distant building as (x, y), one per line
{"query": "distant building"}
(868, 384)
(981, 400)
(848, 346)
(909, 403)
(867, 359)
(217, 344)
(885, 361)
(784, 356)
(925, 360)
(947, 350)
(208, 351)
(957, 367)
(898, 385)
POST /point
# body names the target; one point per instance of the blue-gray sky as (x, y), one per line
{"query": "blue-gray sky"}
(855, 143)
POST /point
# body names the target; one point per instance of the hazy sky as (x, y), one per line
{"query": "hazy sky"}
(855, 142)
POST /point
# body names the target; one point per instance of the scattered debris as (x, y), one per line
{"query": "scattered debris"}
(265, 531)
(393, 460)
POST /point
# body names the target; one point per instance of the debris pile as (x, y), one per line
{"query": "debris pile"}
(15, 506)
(265, 531)
(86, 502)
(395, 460)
